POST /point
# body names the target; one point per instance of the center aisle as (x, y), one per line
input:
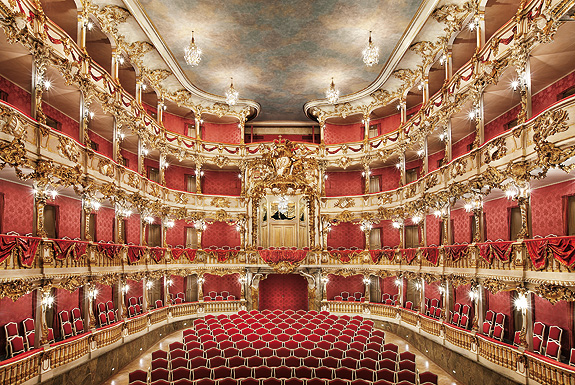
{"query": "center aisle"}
(422, 363)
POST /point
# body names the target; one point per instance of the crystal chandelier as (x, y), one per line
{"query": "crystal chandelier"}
(283, 205)
(370, 53)
(192, 53)
(231, 94)
(332, 93)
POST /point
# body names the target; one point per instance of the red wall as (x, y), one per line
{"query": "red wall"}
(283, 291)
(15, 311)
(335, 133)
(502, 303)
(176, 235)
(497, 217)
(135, 290)
(387, 285)
(388, 177)
(69, 221)
(220, 234)
(546, 208)
(462, 295)
(105, 294)
(343, 183)
(434, 159)
(460, 147)
(221, 183)
(432, 291)
(461, 223)
(176, 177)
(18, 208)
(497, 126)
(560, 314)
(133, 229)
(338, 284)
(225, 133)
(104, 146)
(345, 234)
(549, 95)
(432, 230)
(389, 235)
(132, 159)
(388, 124)
(17, 96)
(176, 123)
(64, 301)
(68, 125)
(105, 224)
(178, 285)
(228, 282)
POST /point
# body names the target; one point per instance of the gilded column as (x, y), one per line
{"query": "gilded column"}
(85, 219)
(38, 85)
(255, 205)
(160, 111)
(312, 222)
(140, 87)
(366, 176)
(40, 199)
(47, 302)
(199, 174)
(162, 169)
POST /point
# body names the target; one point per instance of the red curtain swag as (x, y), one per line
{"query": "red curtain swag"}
(109, 249)
(189, 253)
(26, 246)
(388, 253)
(500, 250)
(408, 254)
(431, 254)
(135, 253)
(276, 256)
(157, 253)
(562, 248)
(456, 252)
(224, 255)
(344, 256)
(375, 255)
(63, 248)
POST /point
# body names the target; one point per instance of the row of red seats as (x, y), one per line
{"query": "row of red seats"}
(274, 381)
(17, 343)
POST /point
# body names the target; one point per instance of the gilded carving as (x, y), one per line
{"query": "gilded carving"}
(220, 202)
(345, 203)
(555, 293)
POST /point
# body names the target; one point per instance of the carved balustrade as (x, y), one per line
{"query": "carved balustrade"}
(498, 352)
(548, 372)
(222, 306)
(136, 324)
(430, 325)
(69, 350)
(20, 369)
(108, 335)
(159, 315)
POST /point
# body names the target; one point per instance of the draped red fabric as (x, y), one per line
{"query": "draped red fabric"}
(28, 247)
(63, 248)
(344, 256)
(563, 249)
(500, 250)
(189, 253)
(456, 252)
(375, 255)
(409, 254)
(7, 244)
(388, 253)
(224, 255)
(537, 250)
(276, 256)
(109, 249)
(157, 253)
(431, 254)
(135, 253)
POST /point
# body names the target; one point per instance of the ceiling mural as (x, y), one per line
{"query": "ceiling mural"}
(281, 53)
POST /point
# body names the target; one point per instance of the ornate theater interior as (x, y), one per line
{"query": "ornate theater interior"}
(287, 192)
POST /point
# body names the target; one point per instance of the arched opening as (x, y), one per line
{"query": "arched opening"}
(283, 292)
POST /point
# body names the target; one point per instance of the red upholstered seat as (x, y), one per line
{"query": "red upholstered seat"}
(385, 374)
(196, 352)
(428, 378)
(138, 375)
(406, 375)
(160, 363)
(273, 361)
(265, 352)
(406, 365)
(316, 381)
(387, 364)
(178, 353)
(216, 362)
(365, 374)
(349, 362)
(407, 356)
(159, 354)
(337, 353)
(236, 361)
(391, 347)
(159, 374)
(370, 353)
(255, 361)
(275, 344)
(262, 372)
(325, 345)
(293, 381)
(291, 344)
(227, 344)
(354, 353)
(283, 372)
(200, 373)
(204, 381)
(292, 361)
(323, 372)
(344, 373)
(389, 354)
(242, 372)
(312, 362)
(330, 362)
(271, 381)
(221, 372)
(198, 361)
(181, 373)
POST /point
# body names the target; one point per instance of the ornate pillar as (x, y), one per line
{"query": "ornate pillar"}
(198, 121)
(425, 156)
(322, 132)
(242, 127)
(45, 293)
(366, 283)
(146, 285)
(143, 230)
(121, 288)
(480, 29)
(199, 174)
(85, 219)
(117, 137)
(255, 205)
(403, 110)
(366, 227)
(478, 297)
(448, 64)
(38, 85)
(446, 223)
(84, 118)
(255, 290)
(521, 60)
(324, 281)
(325, 229)
(477, 115)
(422, 308)
(40, 199)
(366, 174)
(448, 142)
(400, 289)
(160, 111)
(365, 121)
(82, 29)
(115, 64)
(523, 203)
(200, 283)
(119, 221)
(425, 88)
(401, 167)
(167, 282)
(162, 169)
(90, 293)
(311, 221)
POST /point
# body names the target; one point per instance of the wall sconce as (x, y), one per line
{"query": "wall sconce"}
(200, 225)
(473, 294)
(93, 294)
(416, 219)
(125, 288)
(417, 285)
(48, 300)
(514, 191)
(199, 173)
(149, 219)
(397, 223)
(443, 59)
(149, 285)
(325, 280)
(366, 281)
(169, 223)
(366, 226)
(398, 282)
(474, 203)
(169, 282)
(45, 191)
(91, 204)
(201, 281)
(474, 23)
(243, 279)
(521, 303)
(145, 151)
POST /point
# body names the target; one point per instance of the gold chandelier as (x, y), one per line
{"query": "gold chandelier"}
(232, 94)
(332, 93)
(370, 53)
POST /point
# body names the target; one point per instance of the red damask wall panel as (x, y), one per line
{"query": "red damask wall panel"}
(335, 133)
(387, 285)
(418, 164)
(338, 284)
(69, 221)
(220, 234)
(64, 300)
(283, 291)
(221, 183)
(547, 208)
(389, 235)
(388, 124)
(176, 235)
(498, 125)
(560, 314)
(104, 145)
(15, 311)
(432, 230)
(228, 282)
(462, 295)
(432, 291)
(178, 285)
(497, 217)
(132, 159)
(176, 177)
(343, 184)
(434, 159)
(18, 97)
(460, 147)
(225, 133)
(18, 208)
(105, 224)
(461, 226)
(105, 294)
(133, 229)
(177, 124)
(550, 95)
(345, 235)
(502, 303)
(135, 289)
(388, 177)
(68, 125)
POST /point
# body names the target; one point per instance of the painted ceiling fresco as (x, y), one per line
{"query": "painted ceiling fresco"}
(281, 53)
